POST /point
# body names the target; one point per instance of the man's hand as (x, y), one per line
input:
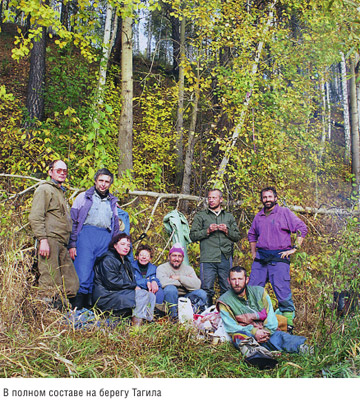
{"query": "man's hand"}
(253, 249)
(72, 252)
(223, 228)
(44, 248)
(176, 277)
(261, 335)
(212, 227)
(286, 254)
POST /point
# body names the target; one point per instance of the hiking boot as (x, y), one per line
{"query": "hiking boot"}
(261, 361)
(78, 301)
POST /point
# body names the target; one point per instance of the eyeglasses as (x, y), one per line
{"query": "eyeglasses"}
(59, 170)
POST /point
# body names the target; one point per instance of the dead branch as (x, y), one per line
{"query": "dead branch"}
(323, 210)
(178, 196)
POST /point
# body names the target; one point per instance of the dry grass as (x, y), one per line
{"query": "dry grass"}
(37, 341)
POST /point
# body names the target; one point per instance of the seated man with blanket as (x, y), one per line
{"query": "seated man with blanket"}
(248, 317)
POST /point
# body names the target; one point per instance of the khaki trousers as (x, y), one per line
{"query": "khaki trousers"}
(57, 273)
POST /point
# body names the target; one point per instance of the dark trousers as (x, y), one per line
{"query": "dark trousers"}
(208, 273)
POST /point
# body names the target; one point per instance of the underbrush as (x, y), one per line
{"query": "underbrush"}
(36, 341)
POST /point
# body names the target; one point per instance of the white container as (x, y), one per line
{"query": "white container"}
(185, 310)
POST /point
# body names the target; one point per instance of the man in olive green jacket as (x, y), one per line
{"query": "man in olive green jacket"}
(51, 224)
(217, 231)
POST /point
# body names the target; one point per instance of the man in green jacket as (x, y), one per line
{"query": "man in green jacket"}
(217, 231)
(51, 224)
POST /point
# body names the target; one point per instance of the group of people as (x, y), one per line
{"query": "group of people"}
(86, 257)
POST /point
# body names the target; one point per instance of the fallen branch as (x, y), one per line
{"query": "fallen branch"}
(323, 210)
(181, 196)
(178, 196)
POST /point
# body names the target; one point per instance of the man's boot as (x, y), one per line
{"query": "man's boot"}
(87, 301)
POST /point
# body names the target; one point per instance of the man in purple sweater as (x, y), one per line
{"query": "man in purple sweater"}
(271, 248)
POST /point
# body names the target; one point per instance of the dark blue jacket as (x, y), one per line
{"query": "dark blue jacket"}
(114, 283)
(150, 275)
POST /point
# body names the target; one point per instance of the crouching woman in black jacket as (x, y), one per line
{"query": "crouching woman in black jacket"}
(115, 287)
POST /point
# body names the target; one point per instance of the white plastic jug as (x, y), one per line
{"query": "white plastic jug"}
(185, 310)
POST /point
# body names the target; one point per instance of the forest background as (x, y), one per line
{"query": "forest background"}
(176, 97)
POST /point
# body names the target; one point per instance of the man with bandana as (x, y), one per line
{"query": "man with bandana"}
(95, 222)
(271, 248)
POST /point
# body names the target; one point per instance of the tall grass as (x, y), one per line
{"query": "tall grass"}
(37, 341)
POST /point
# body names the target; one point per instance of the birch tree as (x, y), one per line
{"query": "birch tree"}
(355, 151)
(185, 189)
(180, 108)
(346, 114)
(125, 137)
(243, 112)
(106, 49)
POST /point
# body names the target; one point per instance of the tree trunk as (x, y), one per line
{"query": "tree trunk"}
(189, 158)
(126, 117)
(149, 38)
(328, 105)
(355, 157)
(176, 40)
(323, 118)
(64, 17)
(36, 85)
(105, 54)
(345, 101)
(180, 110)
(1, 9)
(116, 51)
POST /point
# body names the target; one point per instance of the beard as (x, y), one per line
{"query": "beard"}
(239, 291)
(269, 205)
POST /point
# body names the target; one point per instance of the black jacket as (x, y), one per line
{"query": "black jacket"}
(114, 283)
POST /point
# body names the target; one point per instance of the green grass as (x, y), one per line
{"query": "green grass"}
(36, 342)
(55, 349)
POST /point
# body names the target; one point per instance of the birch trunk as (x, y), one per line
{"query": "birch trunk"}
(328, 105)
(355, 157)
(346, 114)
(126, 117)
(105, 54)
(185, 189)
(323, 118)
(180, 109)
(239, 126)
